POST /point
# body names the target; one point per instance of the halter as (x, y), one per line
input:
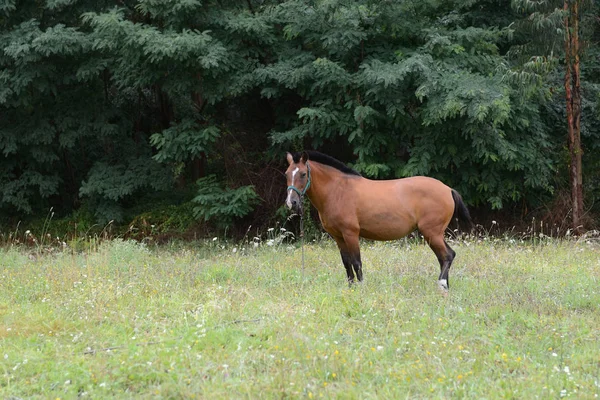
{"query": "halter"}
(295, 189)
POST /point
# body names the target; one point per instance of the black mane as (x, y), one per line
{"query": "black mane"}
(326, 160)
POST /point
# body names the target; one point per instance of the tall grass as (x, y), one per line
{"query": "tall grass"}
(124, 320)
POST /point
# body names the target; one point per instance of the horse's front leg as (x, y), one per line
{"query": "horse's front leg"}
(346, 258)
(352, 242)
(350, 252)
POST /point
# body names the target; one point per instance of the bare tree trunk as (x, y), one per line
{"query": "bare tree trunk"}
(573, 99)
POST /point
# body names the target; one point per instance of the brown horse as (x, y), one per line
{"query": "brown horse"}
(351, 206)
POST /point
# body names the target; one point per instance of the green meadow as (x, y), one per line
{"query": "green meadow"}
(221, 320)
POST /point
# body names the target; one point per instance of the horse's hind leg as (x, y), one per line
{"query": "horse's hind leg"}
(445, 256)
(445, 264)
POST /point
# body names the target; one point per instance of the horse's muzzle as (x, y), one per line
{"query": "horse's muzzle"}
(296, 207)
(294, 202)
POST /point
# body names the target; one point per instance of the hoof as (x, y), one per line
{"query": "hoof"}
(443, 284)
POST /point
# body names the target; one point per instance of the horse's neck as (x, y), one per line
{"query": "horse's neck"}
(324, 183)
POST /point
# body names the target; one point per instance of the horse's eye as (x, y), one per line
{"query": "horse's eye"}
(303, 175)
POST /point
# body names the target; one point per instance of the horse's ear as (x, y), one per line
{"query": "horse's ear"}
(304, 157)
(290, 158)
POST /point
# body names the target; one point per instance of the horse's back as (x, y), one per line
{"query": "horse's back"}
(415, 188)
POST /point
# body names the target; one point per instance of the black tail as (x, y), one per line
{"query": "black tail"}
(460, 210)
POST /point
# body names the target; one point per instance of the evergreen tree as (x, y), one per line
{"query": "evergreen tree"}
(103, 104)
(88, 89)
(65, 128)
(415, 89)
(561, 31)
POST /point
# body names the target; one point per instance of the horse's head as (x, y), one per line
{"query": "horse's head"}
(298, 181)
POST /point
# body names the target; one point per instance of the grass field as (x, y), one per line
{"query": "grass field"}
(522, 320)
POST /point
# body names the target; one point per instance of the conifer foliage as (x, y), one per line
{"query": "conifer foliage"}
(104, 103)
(416, 89)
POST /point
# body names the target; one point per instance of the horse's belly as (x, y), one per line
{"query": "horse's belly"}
(386, 227)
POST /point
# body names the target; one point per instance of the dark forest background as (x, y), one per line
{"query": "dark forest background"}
(174, 116)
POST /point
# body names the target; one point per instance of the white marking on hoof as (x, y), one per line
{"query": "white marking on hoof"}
(443, 284)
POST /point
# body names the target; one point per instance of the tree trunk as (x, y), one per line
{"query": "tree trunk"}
(573, 99)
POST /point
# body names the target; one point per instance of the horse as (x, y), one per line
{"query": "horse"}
(351, 206)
